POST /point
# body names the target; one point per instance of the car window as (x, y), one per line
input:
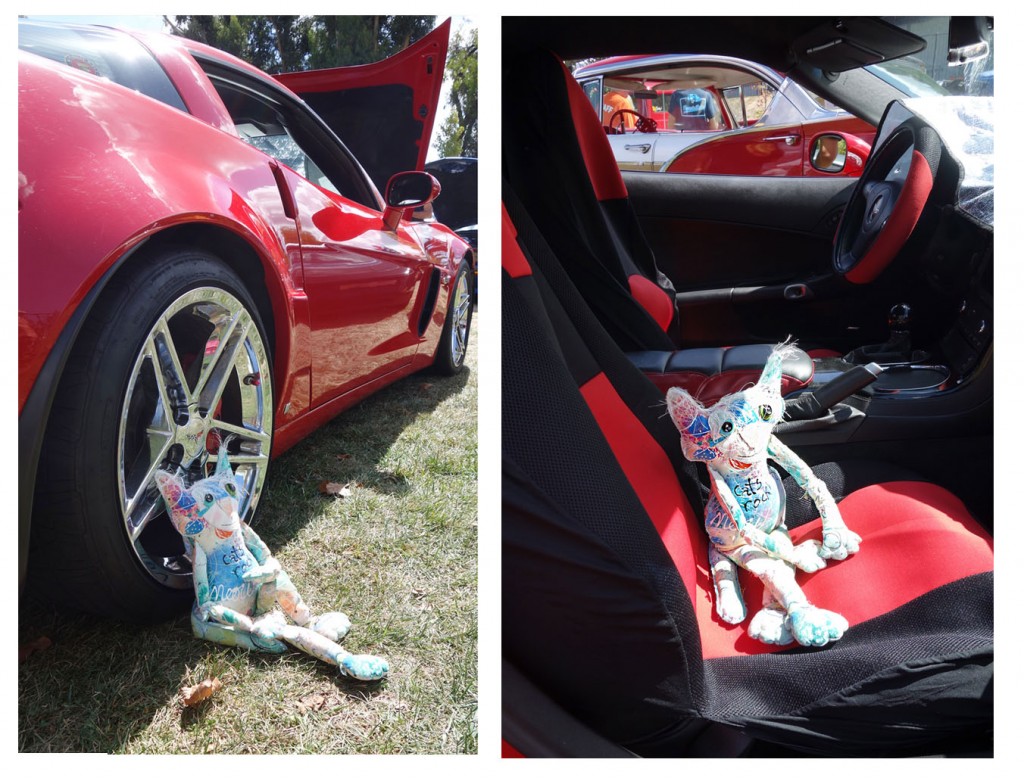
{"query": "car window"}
(748, 102)
(704, 114)
(104, 53)
(262, 125)
(281, 127)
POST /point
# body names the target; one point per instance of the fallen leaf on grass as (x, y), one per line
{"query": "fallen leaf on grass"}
(27, 649)
(335, 489)
(343, 456)
(193, 695)
(316, 702)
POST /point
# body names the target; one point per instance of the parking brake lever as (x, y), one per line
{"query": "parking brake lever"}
(815, 404)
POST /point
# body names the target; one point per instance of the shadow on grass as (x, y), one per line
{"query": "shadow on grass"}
(349, 450)
(103, 682)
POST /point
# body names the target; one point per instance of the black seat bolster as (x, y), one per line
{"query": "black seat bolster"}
(691, 368)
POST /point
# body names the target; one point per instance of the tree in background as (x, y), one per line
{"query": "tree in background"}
(282, 44)
(458, 134)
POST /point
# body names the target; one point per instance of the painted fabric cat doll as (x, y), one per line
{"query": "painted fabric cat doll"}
(242, 595)
(745, 515)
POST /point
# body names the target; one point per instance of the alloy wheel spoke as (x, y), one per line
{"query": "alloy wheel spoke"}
(165, 410)
(159, 453)
(170, 376)
(222, 335)
(136, 527)
(209, 395)
(248, 459)
(242, 432)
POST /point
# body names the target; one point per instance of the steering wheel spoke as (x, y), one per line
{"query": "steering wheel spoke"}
(887, 202)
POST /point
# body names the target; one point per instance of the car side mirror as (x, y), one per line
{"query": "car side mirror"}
(835, 152)
(413, 189)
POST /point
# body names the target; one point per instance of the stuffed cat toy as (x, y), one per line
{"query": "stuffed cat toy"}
(240, 586)
(745, 515)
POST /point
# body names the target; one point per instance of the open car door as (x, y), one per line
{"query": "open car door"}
(383, 112)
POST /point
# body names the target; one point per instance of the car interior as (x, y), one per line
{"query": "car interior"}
(618, 285)
(289, 134)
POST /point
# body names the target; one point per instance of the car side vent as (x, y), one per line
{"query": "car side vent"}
(429, 300)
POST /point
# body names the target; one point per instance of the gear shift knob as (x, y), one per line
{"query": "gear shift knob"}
(899, 317)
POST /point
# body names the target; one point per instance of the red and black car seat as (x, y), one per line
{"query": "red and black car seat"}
(558, 160)
(606, 601)
(561, 167)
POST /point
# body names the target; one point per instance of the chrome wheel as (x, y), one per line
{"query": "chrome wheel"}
(461, 306)
(201, 375)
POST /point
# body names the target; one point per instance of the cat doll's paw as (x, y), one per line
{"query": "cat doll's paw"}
(813, 626)
(808, 556)
(363, 667)
(333, 626)
(839, 543)
(769, 626)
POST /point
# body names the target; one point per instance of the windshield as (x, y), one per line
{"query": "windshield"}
(929, 73)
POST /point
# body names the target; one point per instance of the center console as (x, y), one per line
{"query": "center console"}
(912, 391)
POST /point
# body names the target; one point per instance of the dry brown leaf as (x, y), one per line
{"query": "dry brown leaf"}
(317, 702)
(311, 702)
(343, 456)
(334, 489)
(27, 649)
(193, 695)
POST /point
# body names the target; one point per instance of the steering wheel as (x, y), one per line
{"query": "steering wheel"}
(643, 123)
(887, 202)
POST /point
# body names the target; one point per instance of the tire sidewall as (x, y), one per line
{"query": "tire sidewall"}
(106, 353)
(445, 362)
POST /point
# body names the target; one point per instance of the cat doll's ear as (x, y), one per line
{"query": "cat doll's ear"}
(683, 409)
(771, 376)
(223, 465)
(180, 504)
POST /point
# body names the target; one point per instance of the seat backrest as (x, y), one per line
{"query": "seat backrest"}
(557, 158)
(618, 541)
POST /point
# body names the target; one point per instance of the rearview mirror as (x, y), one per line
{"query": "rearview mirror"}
(969, 38)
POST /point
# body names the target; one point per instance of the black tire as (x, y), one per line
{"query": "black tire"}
(451, 348)
(128, 402)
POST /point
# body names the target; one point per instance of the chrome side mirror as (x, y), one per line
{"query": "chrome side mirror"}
(412, 189)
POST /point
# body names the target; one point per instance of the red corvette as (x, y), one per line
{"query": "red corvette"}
(200, 257)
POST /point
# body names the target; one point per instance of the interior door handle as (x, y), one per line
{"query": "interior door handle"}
(644, 147)
(790, 140)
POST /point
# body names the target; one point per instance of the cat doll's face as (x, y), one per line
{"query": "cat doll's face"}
(738, 427)
(208, 507)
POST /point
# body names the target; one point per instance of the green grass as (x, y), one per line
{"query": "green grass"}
(398, 556)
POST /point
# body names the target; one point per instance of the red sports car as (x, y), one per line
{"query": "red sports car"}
(202, 258)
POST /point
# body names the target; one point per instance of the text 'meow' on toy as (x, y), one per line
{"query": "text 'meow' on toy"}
(745, 515)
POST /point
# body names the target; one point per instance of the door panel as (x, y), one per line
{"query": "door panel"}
(773, 151)
(738, 241)
(363, 284)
